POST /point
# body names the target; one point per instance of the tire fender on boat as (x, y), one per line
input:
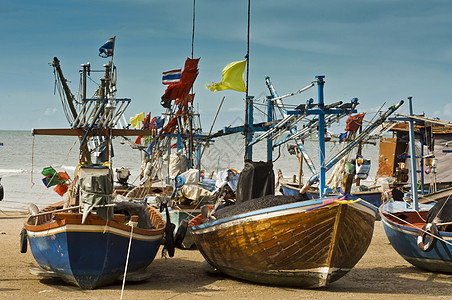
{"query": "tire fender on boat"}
(169, 232)
(180, 233)
(23, 241)
(430, 230)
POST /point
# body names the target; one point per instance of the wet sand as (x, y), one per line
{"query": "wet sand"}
(381, 274)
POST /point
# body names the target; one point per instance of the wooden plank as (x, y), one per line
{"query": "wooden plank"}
(435, 196)
(386, 158)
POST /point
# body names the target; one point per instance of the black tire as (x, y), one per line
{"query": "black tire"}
(169, 238)
(180, 233)
(169, 233)
(23, 241)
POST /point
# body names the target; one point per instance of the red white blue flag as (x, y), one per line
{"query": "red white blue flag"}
(172, 76)
(107, 49)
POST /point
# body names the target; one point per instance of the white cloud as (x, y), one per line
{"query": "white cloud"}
(50, 111)
(447, 111)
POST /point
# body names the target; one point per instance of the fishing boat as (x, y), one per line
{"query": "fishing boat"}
(289, 240)
(306, 243)
(91, 238)
(93, 252)
(420, 233)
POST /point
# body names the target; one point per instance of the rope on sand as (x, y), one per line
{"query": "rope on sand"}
(133, 222)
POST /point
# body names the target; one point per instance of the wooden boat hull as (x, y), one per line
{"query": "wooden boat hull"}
(291, 245)
(92, 254)
(403, 238)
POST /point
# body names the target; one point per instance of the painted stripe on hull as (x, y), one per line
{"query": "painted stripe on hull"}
(272, 212)
(309, 278)
(92, 229)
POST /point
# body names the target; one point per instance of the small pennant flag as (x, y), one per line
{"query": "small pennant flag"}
(107, 49)
(172, 76)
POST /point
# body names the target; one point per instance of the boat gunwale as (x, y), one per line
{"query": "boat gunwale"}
(409, 228)
(274, 209)
(63, 219)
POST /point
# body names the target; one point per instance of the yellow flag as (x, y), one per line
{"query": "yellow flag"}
(135, 121)
(232, 78)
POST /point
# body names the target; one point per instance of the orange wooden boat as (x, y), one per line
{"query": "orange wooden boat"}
(305, 244)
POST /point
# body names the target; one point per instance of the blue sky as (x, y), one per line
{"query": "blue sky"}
(376, 50)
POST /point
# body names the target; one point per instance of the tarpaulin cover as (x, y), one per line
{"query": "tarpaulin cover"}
(256, 180)
(178, 164)
(96, 190)
(443, 155)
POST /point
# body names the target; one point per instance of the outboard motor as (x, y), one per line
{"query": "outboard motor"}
(123, 175)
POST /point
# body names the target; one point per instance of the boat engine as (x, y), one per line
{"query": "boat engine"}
(123, 175)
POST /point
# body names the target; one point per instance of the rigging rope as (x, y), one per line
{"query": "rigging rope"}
(132, 224)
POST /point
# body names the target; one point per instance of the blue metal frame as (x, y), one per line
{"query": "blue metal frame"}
(413, 158)
(321, 111)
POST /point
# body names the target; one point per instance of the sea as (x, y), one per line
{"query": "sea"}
(23, 157)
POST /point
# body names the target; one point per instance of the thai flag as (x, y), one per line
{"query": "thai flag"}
(171, 76)
(107, 49)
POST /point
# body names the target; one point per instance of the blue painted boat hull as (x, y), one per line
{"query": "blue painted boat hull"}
(93, 255)
(404, 240)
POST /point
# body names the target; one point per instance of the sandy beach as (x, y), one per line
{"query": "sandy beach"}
(381, 274)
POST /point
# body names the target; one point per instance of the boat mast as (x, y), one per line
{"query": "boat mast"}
(191, 110)
(413, 157)
(70, 99)
(321, 133)
(248, 101)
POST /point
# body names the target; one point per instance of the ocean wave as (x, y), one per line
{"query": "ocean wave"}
(68, 168)
(11, 172)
